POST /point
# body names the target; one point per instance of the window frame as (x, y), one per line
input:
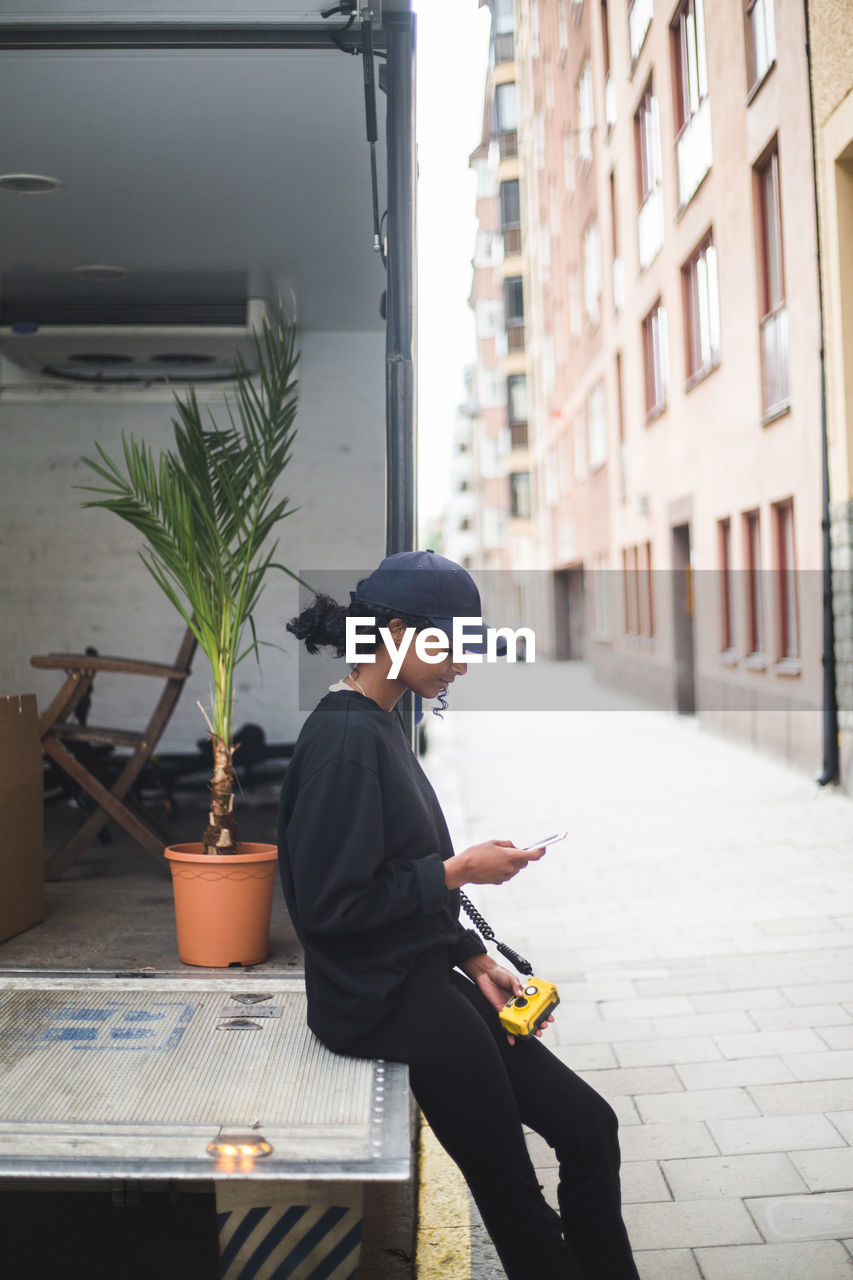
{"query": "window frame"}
(510, 227)
(518, 426)
(596, 418)
(655, 372)
(727, 601)
(689, 62)
(772, 295)
(696, 367)
(630, 593)
(634, 52)
(755, 78)
(787, 596)
(516, 490)
(507, 136)
(514, 320)
(592, 274)
(756, 636)
(586, 112)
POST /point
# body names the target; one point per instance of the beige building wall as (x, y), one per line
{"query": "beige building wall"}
(711, 454)
(662, 481)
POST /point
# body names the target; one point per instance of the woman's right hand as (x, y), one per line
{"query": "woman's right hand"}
(493, 862)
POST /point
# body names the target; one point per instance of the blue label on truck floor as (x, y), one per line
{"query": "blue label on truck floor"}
(117, 1026)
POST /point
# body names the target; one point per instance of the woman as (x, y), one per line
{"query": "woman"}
(372, 881)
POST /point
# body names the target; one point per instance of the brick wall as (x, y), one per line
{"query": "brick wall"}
(71, 578)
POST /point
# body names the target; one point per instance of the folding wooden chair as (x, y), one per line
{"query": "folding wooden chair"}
(115, 800)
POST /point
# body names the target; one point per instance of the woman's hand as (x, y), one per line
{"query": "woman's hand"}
(493, 862)
(496, 983)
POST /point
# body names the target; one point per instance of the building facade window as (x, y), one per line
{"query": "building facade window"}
(771, 285)
(506, 119)
(592, 272)
(534, 28)
(575, 318)
(519, 495)
(511, 216)
(655, 360)
(692, 110)
(789, 630)
(504, 43)
(617, 266)
(569, 160)
(701, 311)
(563, 26)
(516, 395)
(620, 431)
(602, 599)
(514, 312)
(579, 451)
(630, 585)
(597, 426)
(609, 92)
(646, 592)
(760, 40)
(649, 177)
(639, 20)
(726, 581)
(586, 113)
(754, 588)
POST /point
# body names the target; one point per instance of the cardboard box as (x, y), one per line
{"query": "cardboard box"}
(21, 800)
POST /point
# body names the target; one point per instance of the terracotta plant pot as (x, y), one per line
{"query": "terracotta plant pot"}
(223, 903)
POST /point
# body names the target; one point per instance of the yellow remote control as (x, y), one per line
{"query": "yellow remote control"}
(522, 1015)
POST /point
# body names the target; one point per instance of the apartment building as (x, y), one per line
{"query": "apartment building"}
(672, 342)
(494, 423)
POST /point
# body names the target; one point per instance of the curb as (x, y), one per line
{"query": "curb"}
(444, 1216)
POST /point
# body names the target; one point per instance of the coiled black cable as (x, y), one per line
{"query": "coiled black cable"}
(482, 926)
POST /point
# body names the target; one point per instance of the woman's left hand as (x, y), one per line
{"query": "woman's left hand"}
(496, 983)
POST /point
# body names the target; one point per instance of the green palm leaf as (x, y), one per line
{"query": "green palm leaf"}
(207, 509)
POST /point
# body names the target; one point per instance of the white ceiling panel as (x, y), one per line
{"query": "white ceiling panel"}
(208, 164)
(287, 11)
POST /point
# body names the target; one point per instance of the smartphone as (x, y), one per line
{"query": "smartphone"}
(537, 844)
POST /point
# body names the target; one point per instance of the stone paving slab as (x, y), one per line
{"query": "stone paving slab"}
(698, 926)
(718, 999)
(813, 1217)
(843, 1121)
(817, 1260)
(791, 1099)
(807, 1015)
(828, 1065)
(675, 1050)
(826, 1170)
(774, 1133)
(667, 1264)
(643, 1180)
(732, 1176)
(683, 1224)
(704, 1104)
(737, 1071)
(837, 1037)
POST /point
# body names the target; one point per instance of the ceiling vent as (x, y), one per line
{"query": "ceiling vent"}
(125, 343)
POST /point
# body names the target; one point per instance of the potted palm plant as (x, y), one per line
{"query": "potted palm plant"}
(207, 510)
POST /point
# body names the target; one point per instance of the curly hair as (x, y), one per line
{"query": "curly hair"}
(322, 625)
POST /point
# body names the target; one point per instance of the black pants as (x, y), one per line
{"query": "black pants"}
(476, 1091)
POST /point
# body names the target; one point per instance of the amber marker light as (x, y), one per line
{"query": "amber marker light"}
(234, 1146)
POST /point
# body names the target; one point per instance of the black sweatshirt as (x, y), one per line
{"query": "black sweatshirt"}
(361, 843)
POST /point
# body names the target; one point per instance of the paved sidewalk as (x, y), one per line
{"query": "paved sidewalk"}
(699, 924)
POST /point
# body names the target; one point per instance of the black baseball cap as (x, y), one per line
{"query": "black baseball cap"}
(429, 586)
